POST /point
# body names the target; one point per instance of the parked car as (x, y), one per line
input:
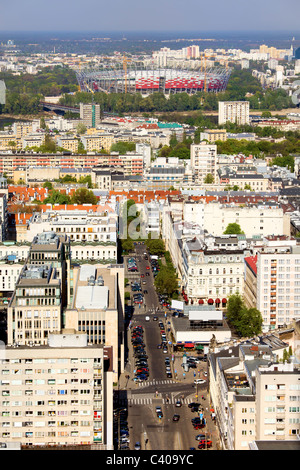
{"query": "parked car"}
(204, 445)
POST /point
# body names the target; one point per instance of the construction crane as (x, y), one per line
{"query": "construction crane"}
(125, 62)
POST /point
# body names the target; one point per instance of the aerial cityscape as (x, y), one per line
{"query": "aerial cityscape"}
(149, 232)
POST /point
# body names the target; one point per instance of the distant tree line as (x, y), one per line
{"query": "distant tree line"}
(25, 91)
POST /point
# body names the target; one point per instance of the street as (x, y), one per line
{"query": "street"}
(141, 398)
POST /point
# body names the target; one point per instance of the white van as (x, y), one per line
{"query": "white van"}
(147, 318)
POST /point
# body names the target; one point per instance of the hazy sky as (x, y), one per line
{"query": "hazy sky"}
(149, 15)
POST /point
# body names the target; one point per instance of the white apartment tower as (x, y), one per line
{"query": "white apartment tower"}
(277, 276)
(203, 161)
(234, 111)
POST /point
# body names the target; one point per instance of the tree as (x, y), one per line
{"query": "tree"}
(166, 281)
(81, 128)
(48, 185)
(233, 229)
(209, 179)
(84, 196)
(123, 147)
(156, 247)
(247, 322)
(56, 197)
(235, 306)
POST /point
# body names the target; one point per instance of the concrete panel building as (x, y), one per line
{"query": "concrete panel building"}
(59, 394)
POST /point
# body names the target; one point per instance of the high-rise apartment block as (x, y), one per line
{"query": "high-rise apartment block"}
(272, 282)
(234, 111)
(57, 395)
(90, 114)
(203, 161)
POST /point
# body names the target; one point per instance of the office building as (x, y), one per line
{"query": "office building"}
(97, 308)
(90, 114)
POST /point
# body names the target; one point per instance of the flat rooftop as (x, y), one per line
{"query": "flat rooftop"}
(95, 288)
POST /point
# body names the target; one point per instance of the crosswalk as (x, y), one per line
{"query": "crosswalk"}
(146, 400)
(147, 383)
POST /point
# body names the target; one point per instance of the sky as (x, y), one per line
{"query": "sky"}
(149, 15)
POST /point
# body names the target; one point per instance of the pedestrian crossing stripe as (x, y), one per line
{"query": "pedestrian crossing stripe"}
(149, 401)
(156, 382)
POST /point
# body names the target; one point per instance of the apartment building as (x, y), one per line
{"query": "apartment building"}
(253, 394)
(212, 135)
(81, 226)
(42, 291)
(68, 143)
(203, 161)
(97, 142)
(164, 173)
(256, 182)
(59, 394)
(97, 308)
(21, 129)
(275, 273)
(33, 140)
(211, 273)
(234, 111)
(9, 142)
(255, 220)
(35, 308)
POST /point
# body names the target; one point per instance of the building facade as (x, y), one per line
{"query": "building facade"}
(57, 395)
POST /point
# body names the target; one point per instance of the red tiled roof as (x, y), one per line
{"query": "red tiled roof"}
(252, 263)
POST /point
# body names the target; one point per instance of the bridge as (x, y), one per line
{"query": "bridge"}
(59, 107)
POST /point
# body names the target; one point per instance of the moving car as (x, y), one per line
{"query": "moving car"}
(176, 417)
(199, 381)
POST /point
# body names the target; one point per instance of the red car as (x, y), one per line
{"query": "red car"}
(147, 267)
(204, 445)
(199, 426)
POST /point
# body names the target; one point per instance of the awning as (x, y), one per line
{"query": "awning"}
(224, 301)
(210, 301)
(188, 345)
(218, 301)
(201, 301)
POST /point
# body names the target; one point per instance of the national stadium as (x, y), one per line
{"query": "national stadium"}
(130, 77)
